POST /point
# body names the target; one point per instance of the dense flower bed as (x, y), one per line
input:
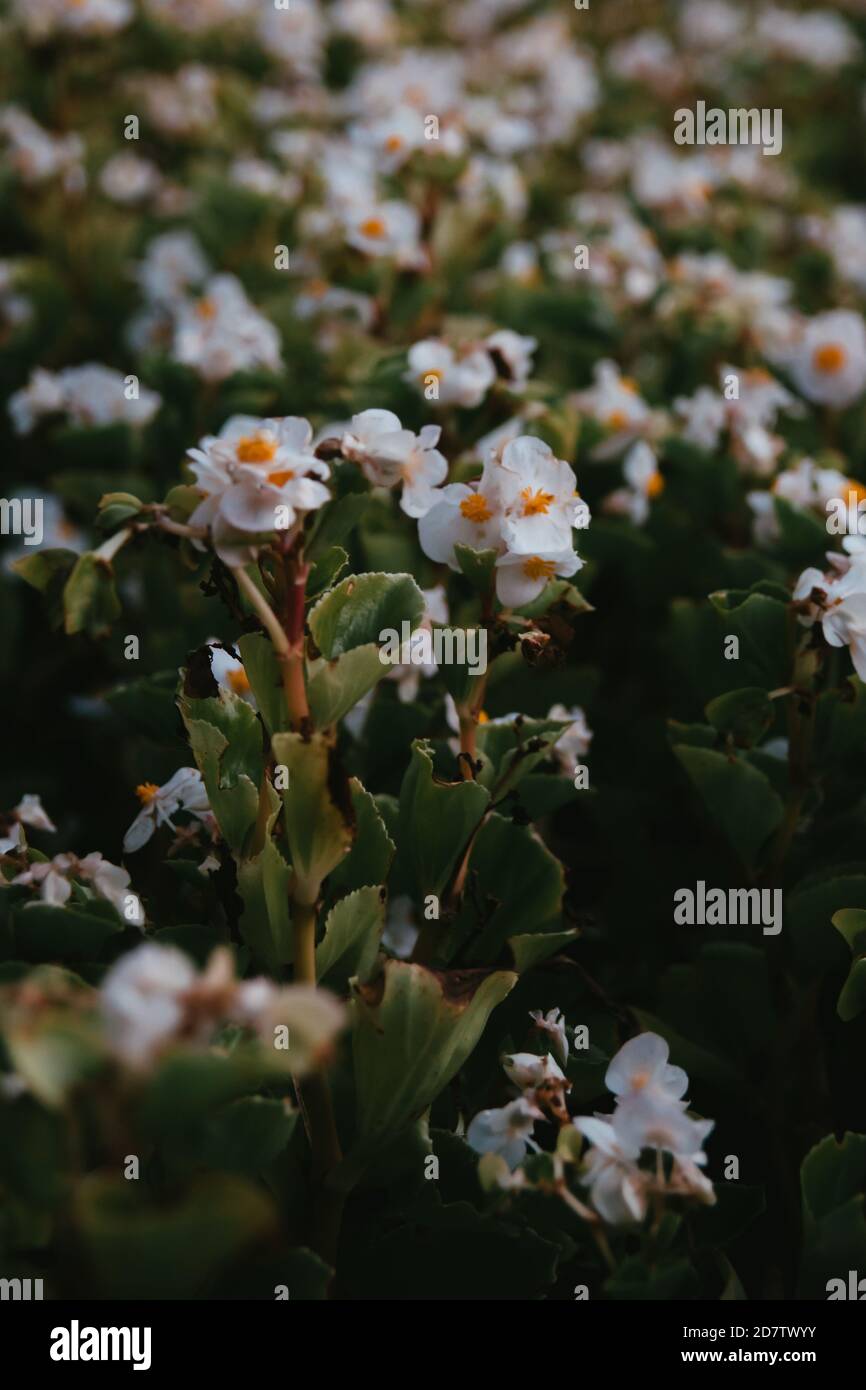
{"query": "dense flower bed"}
(434, 641)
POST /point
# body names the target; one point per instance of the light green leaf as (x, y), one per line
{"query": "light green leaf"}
(318, 809)
(360, 608)
(353, 930)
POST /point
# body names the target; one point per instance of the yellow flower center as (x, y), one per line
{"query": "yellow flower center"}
(206, 309)
(475, 508)
(255, 448)
(373, 227)
(394, 143)
(655, 484)
(535, 503)
(617, 420)
(829, 358)
(238, 680)
(317, 288)
(146, 791)
(628, 384)
(639, 1080)
(281, 476)
(536, 568)
(858, 489)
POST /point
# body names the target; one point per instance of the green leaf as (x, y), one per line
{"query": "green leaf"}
(510, 751)
(324, 571)
(369, 860)
(737, 796)
(45, 566)
(744, 714)
(760, 620)
(265, 925)
(226, 740)
(248, 1134)
(412, 1030)
(832, 1180)
(518, 884)
(44, 933)
(137, 1247)
(436, 820)
(263, 673)
(335, 687)
(362, 607)
(90, 599)
(479, 566)
(318, 810)
(353, 931)
(535, 947)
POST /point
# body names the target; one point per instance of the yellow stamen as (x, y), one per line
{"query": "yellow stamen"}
(255, 448)
(206, 309)
(394, 143)
(535, 503)
(655, 484)
(829, 358)
(146, 791)
(475, 508)
(536, 568)
(281, 476)
(238, 681)
(617, 420)
(373, 227)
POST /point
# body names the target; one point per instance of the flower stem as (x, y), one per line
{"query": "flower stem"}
(289, 656)
(314, 1095)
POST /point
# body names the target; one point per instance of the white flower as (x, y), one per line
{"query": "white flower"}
(256, 475)
(553, 1023)
(389, 229)
(838, 601)
(172, 263)
(829, 361)
(401, 930)
(641, 1067)
(615, 402)
(459, 380)
(36, 155)
(42, 18)
(30, 811)
(222, 332)
(506, 1131)
(537, 493)
(573, 743)
(389, 454)
(654, 1121)
(143, 1001)
(53, 878)
(513, 353)
(463, 514)
(644, 483)
(521, 578)
(527, 1071)
(89, 395)
(229, 672)
(311, 1017)
(804, 485)
(617, 1187)
(127, 178)
(184, 791)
